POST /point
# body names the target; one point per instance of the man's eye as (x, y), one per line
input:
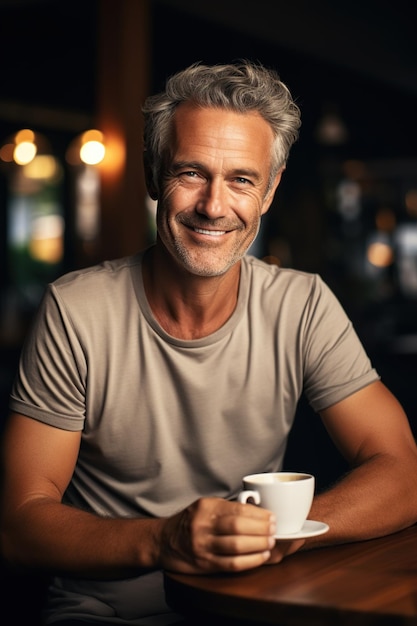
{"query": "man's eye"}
(190, 176)
(241, 180)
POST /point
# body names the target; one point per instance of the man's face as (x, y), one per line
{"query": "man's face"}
(214, 187)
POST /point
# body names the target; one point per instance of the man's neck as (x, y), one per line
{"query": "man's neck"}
(185, 305)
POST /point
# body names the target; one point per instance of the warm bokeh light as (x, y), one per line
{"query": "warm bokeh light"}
(92, 135)
(380, 254)
(23, 147)
(87, 148)
(92, 152)
(43, 167)
(114, 159)
(92, 149)
(6, 152)
(24, 135)
(46, 242)
(24, 152)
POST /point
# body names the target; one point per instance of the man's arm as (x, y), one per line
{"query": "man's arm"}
(379, 495)
(38, 531)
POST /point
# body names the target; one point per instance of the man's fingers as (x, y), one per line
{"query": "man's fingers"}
(238, 526)
(250, 510)
(234, 563)
(240, 544)
(244, 519)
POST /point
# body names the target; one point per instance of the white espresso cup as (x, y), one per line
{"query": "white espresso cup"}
(289, 495)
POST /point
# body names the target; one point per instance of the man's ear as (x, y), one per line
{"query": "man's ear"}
(149, 179)
(271, 193)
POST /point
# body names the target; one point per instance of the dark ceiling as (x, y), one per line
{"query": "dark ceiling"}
(360, 56)
(372, 37)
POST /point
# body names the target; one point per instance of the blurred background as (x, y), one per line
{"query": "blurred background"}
(74, 74)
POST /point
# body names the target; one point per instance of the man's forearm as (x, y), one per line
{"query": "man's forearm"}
(47, 535)
(377, 498)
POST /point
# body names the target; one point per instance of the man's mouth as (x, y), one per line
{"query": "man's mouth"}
(212, 233)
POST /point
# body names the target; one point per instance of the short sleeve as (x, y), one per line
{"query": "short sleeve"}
(336, 364)
(50, 382)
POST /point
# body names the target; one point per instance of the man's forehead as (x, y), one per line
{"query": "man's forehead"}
(221, 129)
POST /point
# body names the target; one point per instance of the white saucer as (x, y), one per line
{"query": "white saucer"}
(310, 529)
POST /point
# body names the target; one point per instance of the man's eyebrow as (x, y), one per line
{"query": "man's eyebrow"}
(246, 173)
(192, 165)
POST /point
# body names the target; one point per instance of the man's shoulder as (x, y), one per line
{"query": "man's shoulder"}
(105, 272)
(273, 274)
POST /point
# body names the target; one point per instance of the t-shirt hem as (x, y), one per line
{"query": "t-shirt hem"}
(327, 400)
(64, 422)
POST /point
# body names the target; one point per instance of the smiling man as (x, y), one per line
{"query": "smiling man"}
(216, 186)
(150, 385)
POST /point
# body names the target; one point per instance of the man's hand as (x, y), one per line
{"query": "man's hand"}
(215, 535)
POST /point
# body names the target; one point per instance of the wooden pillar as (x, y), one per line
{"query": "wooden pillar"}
(123, 61)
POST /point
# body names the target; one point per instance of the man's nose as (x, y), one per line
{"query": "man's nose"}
(213, 201)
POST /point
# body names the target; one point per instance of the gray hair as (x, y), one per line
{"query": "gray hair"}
(240, 87)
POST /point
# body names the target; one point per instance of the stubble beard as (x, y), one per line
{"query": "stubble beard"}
(200, 263)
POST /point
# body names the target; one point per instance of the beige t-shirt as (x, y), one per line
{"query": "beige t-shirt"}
(164, 420)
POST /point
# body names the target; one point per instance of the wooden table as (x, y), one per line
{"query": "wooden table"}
(372, 582)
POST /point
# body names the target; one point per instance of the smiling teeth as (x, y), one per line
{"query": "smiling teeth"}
(213, 233)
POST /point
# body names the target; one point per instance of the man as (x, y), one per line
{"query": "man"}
(150, 385)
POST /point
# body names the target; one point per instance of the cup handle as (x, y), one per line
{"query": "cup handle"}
(245, 495)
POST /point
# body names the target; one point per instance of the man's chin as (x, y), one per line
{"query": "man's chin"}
(209, 269)
(206, 263)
